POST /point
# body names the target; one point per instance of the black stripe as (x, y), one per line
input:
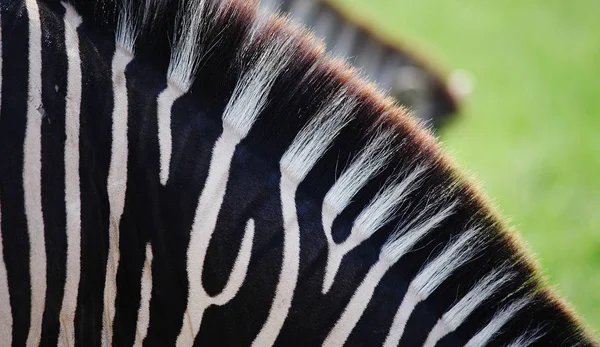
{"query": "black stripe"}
(252, 192)
(15, 38)
(94, 147)
(178, 200)
(141, 216)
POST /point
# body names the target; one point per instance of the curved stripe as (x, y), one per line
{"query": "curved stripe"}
(301, 156)
(370, 161)
(248, 99)
(409, 302)
(143, 319)
(406, 238)
(32, 177)
(165, 143)
(379, 211)
(72, 181)
(357, 305)
(116, 186)
(205, 221)
(289, 267)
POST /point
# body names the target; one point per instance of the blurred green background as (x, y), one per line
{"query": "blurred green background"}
(530, 132)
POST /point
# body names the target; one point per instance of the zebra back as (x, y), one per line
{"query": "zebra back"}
(198, 173)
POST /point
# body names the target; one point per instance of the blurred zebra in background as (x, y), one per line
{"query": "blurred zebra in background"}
(408, 77)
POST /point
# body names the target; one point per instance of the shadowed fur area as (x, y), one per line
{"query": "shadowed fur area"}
(198, 173)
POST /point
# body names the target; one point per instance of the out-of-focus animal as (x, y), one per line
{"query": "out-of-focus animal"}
(408, 76)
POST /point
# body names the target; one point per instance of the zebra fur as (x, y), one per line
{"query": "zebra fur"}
(233, 248)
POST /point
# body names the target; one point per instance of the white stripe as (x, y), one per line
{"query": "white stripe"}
(304, 152)
(32, 177)
(289, 268)
(72, 181)
(430, 278)
(185, 58)
(360, 299)
(6, 321)
(484, 335)
(357, 306)
(379, 212)
(205, 221)
(164, 105)
(407, 306)
(116, 186)
(248, 98)
(247, 101)
(143, 319)
(456, 315)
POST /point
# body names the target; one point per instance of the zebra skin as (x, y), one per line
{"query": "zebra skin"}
(179, 173)
(412, 80)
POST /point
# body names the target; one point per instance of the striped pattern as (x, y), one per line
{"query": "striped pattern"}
(410, 79)
(72, 179)
(32, 176)
(269, 199)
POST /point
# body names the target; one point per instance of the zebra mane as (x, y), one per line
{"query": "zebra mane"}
(380, 182)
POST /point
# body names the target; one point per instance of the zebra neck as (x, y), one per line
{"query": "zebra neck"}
(235, 188)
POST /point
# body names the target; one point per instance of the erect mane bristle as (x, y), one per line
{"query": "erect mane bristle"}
(304, 112)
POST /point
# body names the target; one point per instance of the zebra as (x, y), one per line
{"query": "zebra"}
(179, 173)
(413, 80)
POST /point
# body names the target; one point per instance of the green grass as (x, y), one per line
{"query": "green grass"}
(531, 130)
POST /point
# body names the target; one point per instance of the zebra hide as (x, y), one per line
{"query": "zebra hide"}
(195, 172)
